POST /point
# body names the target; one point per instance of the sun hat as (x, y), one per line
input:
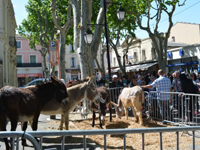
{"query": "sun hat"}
(114, 76)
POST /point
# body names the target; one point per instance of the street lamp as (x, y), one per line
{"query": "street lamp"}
(89, 36)
(121, 13)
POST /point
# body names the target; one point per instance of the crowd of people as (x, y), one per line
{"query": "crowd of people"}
(164, 82)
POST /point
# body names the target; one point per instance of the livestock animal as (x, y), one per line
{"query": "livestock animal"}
(130, 97)
(24, 104)
(101, 106)
(82, 89)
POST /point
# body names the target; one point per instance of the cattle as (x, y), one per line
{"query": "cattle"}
(130, 97)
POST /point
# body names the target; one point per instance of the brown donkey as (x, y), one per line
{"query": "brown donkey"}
(101, 106)
(21, 105)
(81, 89)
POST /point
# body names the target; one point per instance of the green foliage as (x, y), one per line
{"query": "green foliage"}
(38, 12)
(126, 27)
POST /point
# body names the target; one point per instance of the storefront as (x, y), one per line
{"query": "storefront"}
(185, 64)
(26, 75)
(25, 78)
(184, 59)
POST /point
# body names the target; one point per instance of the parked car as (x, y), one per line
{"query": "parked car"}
(38, 81)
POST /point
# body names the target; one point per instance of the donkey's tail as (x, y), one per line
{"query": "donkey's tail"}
(114, 104)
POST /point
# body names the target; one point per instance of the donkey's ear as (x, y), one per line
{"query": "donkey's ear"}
(54, 80)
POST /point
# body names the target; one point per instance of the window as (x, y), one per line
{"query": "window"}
(71, 50)
(143, 55)
(72, 62)
(19, 59)
(135, 57)
(173, 38)
(32, 59)
(19, 44)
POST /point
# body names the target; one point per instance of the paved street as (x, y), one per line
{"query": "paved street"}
(54, 143)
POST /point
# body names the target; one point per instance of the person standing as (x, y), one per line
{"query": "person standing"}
(188, 86)
(115, 88)
(162, 84)
(176, 87)
(133, 82)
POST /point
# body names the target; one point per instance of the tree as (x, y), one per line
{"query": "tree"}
(62, 18)
(38, 28)
(153, 10)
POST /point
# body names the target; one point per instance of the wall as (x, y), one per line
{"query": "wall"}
(185, 33)
(8, 71)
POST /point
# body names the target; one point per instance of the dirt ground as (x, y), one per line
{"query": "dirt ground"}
(134, 141)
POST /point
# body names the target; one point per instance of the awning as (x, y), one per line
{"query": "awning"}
(140, 67)
(136, 67)
(115, 70)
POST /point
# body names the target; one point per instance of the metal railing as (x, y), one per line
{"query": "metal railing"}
(40, 134)
(16, 135)
(29, 64)
(179, 109)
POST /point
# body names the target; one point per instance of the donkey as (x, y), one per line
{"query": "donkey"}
(24, 104)
(130, 97)
(101, 105)
(81, 89)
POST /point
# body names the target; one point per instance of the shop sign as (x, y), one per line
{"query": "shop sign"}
(181, 52)
(28, 75)
(53, 52)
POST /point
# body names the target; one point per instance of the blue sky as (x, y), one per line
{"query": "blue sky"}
(187, 13)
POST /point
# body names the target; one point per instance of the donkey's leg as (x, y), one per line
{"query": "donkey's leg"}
(134, 113)
(140, 117)
(93, 118)
(61, 122)
(110, 110)
(126, 112)
(24, 126)
(13, 121)
(100, 122)
(66, 117)
(34, 124)
(3, 128)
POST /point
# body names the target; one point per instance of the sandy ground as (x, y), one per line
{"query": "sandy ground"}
(133, 141)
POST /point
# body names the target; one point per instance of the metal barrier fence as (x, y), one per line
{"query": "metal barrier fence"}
(179, 108)
(83, 111)
(174, 107)
(31, 134)
(15, 138)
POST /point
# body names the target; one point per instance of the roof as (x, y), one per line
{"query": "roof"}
(186, 23)
(175, 44)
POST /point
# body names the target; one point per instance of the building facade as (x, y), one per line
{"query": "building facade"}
(183, 51)
(29, 61)
(188, 33)
(72, 66)
(8, 70)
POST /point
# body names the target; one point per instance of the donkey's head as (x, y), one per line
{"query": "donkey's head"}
(60, 91)
(119, 109)
(91, 91)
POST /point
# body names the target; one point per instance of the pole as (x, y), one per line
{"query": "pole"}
(108, 53)
(58, 58)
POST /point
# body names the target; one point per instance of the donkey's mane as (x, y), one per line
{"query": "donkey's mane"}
(44, 84)
(73, 83)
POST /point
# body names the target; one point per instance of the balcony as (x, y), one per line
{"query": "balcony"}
(29, 64)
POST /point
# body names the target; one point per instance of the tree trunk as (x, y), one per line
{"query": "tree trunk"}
(62, 55)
